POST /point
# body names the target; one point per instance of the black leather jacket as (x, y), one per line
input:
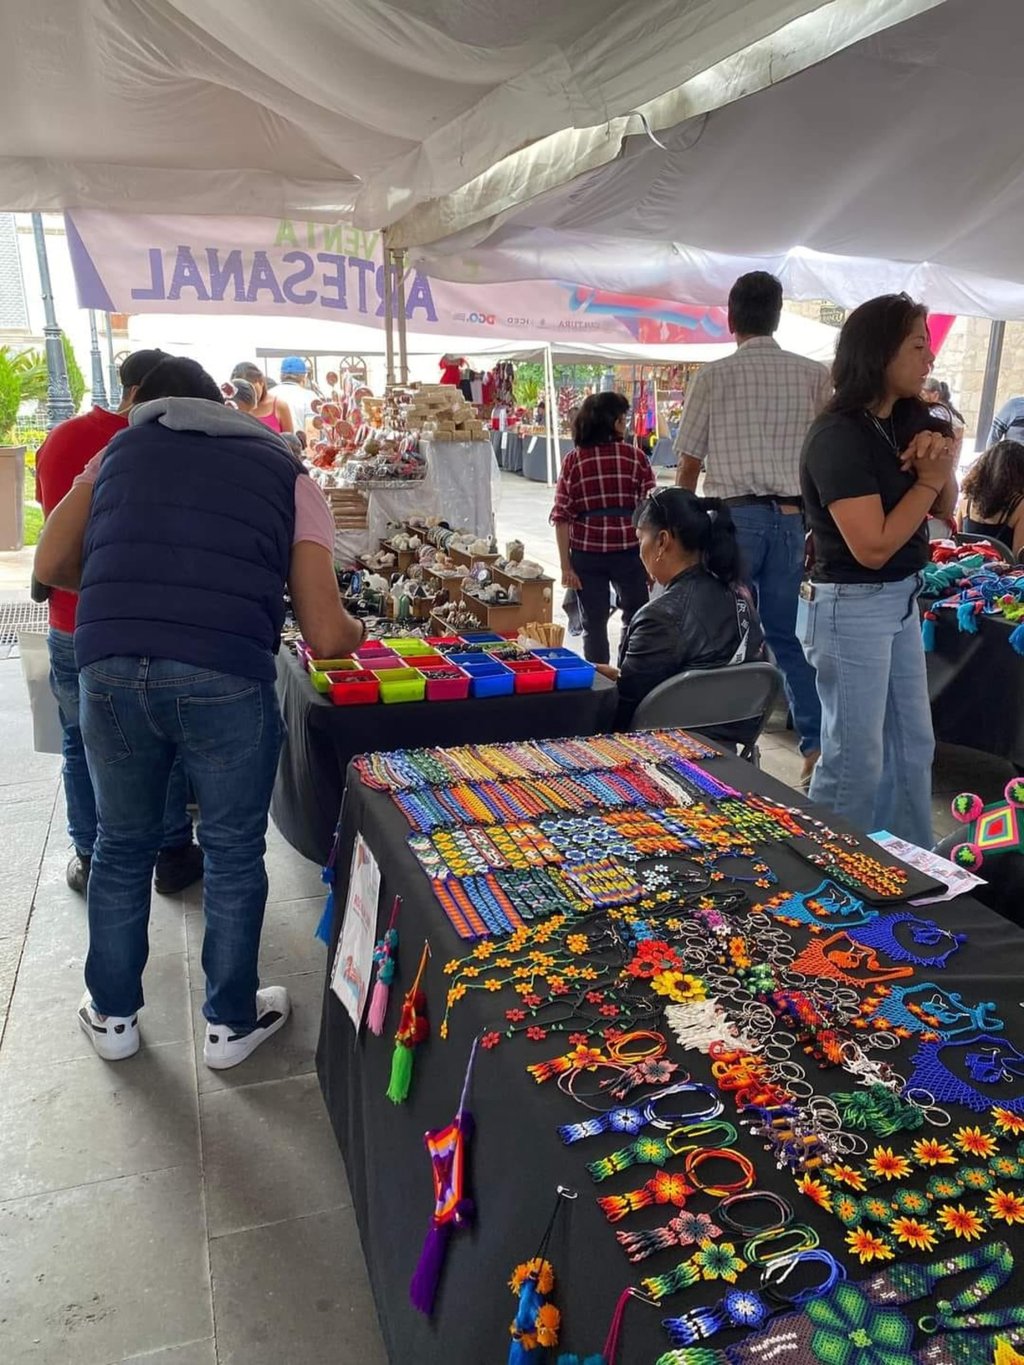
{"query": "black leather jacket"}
(694, 623)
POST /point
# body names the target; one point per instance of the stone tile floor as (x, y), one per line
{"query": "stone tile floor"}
(155, 1211)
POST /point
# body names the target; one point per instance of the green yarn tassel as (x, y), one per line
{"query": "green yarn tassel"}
(691, 1355)
(401, 1074)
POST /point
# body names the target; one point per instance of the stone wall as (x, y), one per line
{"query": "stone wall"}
(961, 363)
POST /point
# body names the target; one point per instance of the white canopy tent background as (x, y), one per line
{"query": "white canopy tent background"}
(895, 163)
(326, 108)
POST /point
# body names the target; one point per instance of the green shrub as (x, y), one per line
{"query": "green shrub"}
(76, 379)
(10, 399)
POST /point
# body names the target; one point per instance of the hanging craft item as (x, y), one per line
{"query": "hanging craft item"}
(452, 1208)
(535, 1326)
(609, 1354)
(385, 955)
(413, 1029)
(991, 829)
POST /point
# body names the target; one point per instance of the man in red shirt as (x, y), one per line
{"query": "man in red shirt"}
(61, 458)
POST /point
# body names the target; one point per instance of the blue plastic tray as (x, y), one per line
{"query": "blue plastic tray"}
(572, 673)
(488, 679)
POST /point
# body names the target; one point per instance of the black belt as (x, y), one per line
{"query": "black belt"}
(605, 512)
(765, 500)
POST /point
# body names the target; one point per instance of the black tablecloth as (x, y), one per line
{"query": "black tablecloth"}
(976, 687)
(516, 1158)
(321, 739)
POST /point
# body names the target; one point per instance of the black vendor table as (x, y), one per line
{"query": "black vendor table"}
(976, 687)
(321, 739)
(516, 1159)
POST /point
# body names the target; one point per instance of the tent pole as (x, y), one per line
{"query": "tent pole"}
(551, 412)
(990, 384)
(403, 360)
(389, 340)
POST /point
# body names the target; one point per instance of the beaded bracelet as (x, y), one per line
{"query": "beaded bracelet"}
(656, 1151)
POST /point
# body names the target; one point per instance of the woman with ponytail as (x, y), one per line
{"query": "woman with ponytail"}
(703, 617)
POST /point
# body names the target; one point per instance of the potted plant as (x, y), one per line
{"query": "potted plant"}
(12, 460)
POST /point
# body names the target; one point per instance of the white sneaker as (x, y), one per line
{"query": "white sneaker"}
(223, 1048)
(113, 1038)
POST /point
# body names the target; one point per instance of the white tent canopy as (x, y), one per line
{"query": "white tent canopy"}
(326, 108)
(895, 163)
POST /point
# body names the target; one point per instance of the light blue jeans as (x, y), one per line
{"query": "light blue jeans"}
(138, 715)
(877, 745)
(773, 549)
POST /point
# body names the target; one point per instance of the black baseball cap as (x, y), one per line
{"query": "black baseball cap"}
(135, 367)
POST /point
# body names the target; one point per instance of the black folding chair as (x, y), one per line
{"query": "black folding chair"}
(705, 698)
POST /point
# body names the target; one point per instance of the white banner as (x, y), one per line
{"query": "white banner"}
(165, 264)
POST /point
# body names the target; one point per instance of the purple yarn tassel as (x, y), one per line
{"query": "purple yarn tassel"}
(427, 1275)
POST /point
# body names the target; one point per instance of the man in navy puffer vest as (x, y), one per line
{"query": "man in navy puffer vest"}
(181, 537)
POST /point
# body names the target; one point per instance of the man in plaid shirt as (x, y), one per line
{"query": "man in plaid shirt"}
(743, 427)
(602, 481)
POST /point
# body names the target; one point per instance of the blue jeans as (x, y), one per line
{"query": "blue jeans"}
(78, 793)
(877, 745)
(137, 715)
(772, 543)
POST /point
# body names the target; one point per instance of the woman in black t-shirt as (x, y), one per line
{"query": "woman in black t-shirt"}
(874, 467)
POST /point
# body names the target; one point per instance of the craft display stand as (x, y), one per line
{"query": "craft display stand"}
(518, 1159)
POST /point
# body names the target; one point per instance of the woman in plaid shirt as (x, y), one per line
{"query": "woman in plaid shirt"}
(603, 480)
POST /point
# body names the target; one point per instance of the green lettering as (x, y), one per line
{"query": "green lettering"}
(331, 239)
(286, 234)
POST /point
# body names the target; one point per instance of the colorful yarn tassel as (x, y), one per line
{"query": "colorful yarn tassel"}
(326, 922)
(611, 1346)
(928, 631)
(413, 1028)
(452, 1208)
(535, 1326)
(323, 928)
(385, 955)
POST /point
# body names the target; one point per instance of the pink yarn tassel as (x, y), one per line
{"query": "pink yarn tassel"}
(378, 1007)
(386, 957)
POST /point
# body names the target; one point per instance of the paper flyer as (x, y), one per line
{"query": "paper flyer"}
(353, 962)
(957, 880)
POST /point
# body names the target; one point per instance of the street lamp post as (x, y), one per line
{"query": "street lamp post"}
(59, 406)
(112, 373)
(99, 392)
